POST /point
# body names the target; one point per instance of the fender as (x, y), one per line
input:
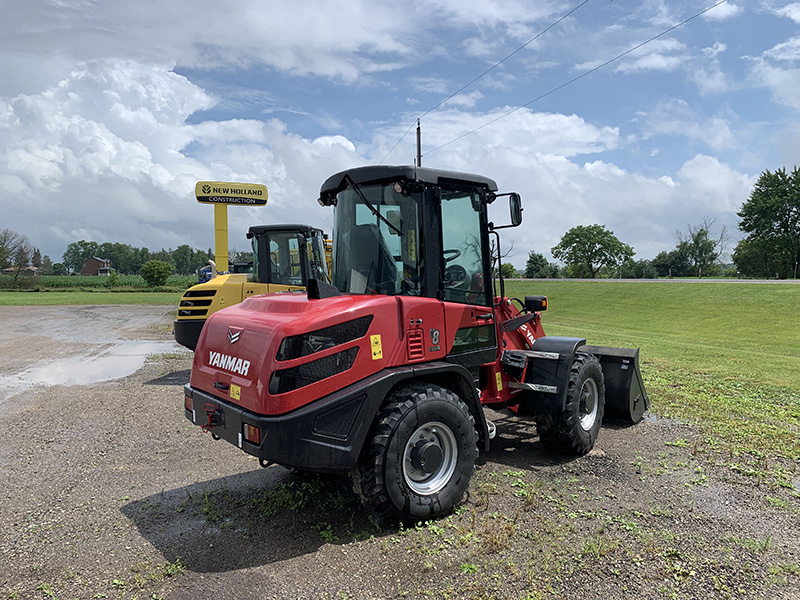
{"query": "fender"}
(545, 375)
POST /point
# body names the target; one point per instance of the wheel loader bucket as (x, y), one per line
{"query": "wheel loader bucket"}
(626, 397)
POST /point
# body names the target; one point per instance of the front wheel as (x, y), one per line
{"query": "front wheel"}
(421, 454)
(576, 428)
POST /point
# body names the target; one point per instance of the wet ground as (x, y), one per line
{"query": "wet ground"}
(69, 345)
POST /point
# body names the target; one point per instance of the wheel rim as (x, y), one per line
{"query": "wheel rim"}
(429, 458)
(589, 404)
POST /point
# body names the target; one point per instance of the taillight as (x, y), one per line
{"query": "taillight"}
(252, 434)
(187, 402)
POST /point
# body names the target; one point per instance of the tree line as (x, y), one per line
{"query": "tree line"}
(17, 253)
(771, 249)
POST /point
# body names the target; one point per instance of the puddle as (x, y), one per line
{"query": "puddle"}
(120, 360)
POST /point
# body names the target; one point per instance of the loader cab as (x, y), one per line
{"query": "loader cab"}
(288, 255)
(413, 232)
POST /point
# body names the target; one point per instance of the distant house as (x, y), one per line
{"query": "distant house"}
(96, 266)
(29, 271)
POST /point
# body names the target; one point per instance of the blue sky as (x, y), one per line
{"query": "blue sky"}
(110, 112)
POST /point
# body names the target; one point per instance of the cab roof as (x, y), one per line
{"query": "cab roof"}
(387, 173)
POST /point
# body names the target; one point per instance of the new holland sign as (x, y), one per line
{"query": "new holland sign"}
(220, 192)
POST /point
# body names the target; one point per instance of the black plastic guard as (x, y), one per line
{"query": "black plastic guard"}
(547, 373)
(626, 397)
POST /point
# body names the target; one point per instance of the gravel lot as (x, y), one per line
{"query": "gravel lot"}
(109, 492)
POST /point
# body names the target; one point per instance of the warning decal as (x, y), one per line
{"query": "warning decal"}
(377, 349)
(220, 192)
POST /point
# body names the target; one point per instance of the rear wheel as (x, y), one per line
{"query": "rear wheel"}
(576, 428)
(420, 455)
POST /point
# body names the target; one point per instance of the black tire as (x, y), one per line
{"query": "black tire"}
(420, 456)
(576, 429)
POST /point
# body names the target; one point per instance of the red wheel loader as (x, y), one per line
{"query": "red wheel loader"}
(383, 372)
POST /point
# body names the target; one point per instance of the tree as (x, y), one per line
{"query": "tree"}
(771, 217)
(22, 256)
(508, 271)
(537, 267)
(47, 265)
(675, 263)
(536, 264)
(183, 259)
(155, 272)
(591, 247)
(637, 269)
(9, 243)
(703, 250)
(77, 252)
(754, 257)
(239, 256)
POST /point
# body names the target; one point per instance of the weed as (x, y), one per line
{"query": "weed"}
(326, 533)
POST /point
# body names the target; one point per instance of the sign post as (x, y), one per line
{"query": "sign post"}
(221, 194)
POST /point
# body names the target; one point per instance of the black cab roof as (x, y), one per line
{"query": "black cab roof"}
(386, 173)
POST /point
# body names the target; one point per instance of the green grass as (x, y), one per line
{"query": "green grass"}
(725, 356)
(87, 297)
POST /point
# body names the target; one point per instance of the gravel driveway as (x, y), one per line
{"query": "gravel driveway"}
(108, 492)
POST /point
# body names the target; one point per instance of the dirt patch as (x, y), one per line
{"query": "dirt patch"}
(109, 492)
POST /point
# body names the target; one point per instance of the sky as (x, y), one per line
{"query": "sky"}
(110, 112)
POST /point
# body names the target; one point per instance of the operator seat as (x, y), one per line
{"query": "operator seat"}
(371, 257)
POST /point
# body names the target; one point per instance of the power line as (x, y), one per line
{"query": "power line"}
(486, 72)
(581, 76)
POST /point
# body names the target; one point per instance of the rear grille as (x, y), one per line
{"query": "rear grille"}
(295, 378)
(415, 345)
(297, 346)
(195, 303)
(200, 312)
(199, 293)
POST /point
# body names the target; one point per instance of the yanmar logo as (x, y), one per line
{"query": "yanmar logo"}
(229, 363)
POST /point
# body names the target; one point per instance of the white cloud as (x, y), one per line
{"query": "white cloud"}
(791, 11)
(468, 100)
(723, 12)
(788, 51)
(717, 49)
(99, 156)
(783, 83)
(676, 117)
(659, 55)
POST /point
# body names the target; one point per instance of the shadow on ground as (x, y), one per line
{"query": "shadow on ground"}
(175, 378)
(251, 519)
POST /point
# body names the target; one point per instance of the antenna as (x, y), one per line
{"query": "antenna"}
(419, 145)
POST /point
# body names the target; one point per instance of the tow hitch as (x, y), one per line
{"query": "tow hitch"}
(214, 415)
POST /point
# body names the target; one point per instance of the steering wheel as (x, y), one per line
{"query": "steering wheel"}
(455, 275)
(451, 254)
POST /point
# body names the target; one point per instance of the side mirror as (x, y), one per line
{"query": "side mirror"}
(515, 204)
(535, 303)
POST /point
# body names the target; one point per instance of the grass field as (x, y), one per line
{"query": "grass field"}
(723, 356)
(53, 298)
